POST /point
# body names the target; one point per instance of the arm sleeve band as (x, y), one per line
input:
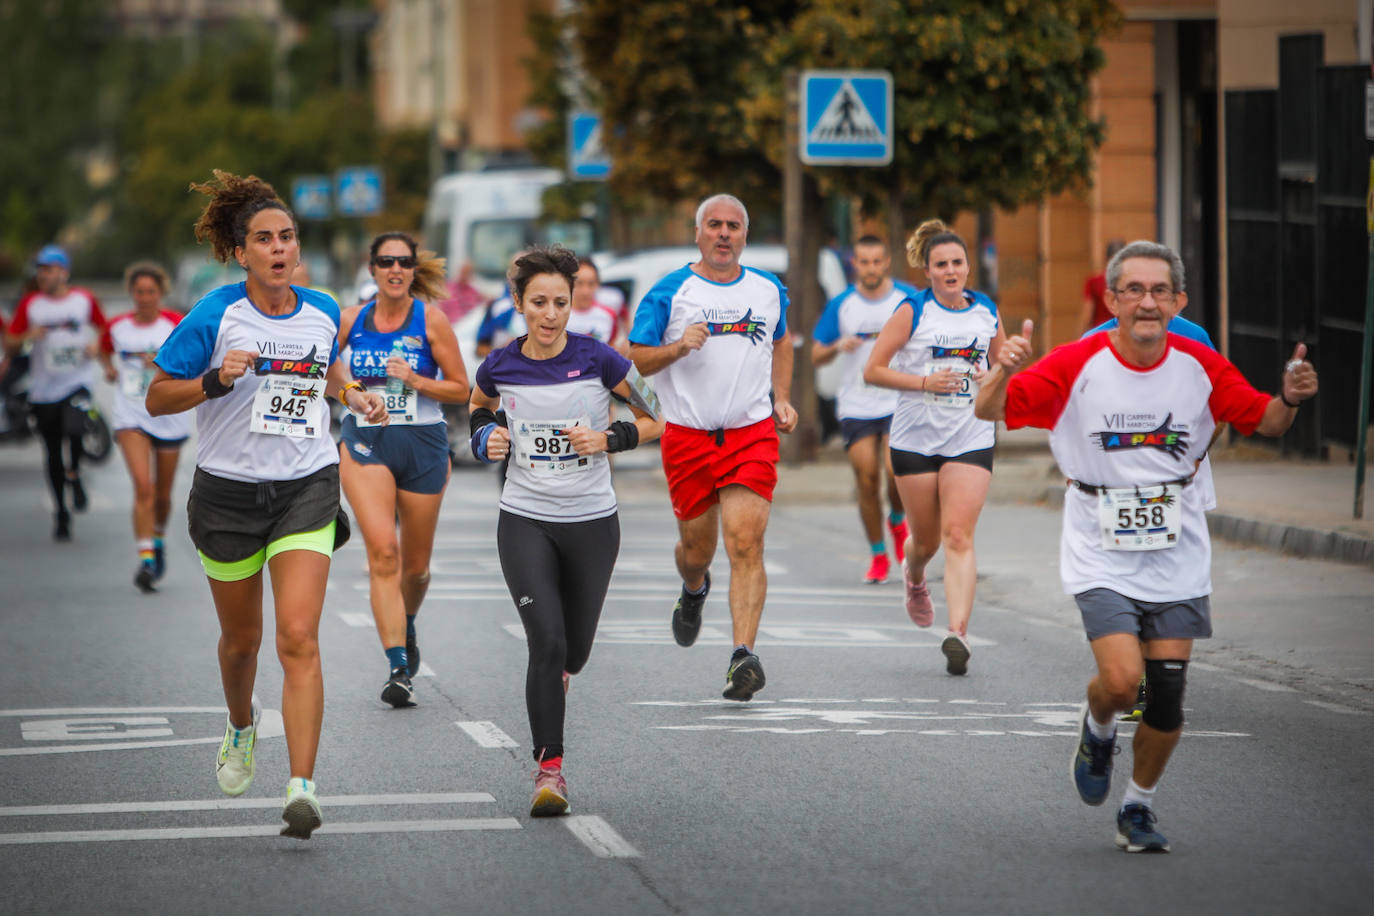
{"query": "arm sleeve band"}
(626, 435)
(478, 442)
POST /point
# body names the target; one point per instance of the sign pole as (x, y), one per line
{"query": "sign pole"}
(799, 275)
(1367, 355)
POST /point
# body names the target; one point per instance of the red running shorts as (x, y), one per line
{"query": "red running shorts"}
(699, 462)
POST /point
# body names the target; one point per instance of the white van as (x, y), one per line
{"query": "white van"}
(484, 218)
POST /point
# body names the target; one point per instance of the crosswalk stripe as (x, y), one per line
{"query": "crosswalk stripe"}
(253, 830)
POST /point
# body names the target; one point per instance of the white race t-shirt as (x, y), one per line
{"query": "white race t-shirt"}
(59, 363)
(128, 342)
(941, 338)
(295, 351)
(726, 384)
(1115, 425)
(597, 321)
(852, 314)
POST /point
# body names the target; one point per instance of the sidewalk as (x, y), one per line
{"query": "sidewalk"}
(1300, 508)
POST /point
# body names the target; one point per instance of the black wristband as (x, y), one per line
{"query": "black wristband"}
(212, 386)
(1288, 403)
(622, 436)
(482, 416)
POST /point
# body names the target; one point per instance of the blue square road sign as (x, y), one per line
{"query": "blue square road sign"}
(846, 117)
(587, 156)
(358, 191)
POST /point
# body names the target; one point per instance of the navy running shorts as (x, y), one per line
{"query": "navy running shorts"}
(416, 456)
(853, 430)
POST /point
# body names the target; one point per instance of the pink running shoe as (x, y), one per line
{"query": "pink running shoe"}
(918, 605)
(877, 570)
(899, 536)
(550, 790)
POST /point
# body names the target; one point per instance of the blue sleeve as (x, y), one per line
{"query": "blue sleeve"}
(654, 310)
(487, 329)
(1104, 326)
(484, 379)
(828, 328)
(187, 350)
(782, 305)
(1192, 330)
(916, 303)
(613, 366)
(330, 306)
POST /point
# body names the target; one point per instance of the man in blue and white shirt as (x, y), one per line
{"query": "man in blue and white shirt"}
(848, 327)
(716, 335)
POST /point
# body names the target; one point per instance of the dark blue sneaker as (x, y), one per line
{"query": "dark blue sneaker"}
(1092, 763)
(1135, 830)
(744, 678)
(687, 614)
(144, 577)
(412, 656)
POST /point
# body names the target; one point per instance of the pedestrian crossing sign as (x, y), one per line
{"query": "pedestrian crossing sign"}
(846, 117)
(587, 156)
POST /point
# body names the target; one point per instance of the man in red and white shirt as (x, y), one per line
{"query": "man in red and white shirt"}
(61, 323)
(1131, 412)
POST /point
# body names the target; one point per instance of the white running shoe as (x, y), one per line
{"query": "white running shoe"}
(302, 811)
(235, 764)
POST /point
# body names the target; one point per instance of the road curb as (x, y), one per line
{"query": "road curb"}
(1277, 537)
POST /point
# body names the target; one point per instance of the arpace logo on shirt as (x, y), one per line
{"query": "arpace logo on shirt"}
(971, 353)
(282, 362)
(748, 326)
(1162, 437)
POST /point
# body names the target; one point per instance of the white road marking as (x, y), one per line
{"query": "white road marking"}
(600, 837)
(91, 728)
(229, 804)
(270, 726)
(425, 670)
(357, 619)
(1336, 707)
(110, 710)
(820, 635)
(486, 734)
(203, 833)
(1265, 685)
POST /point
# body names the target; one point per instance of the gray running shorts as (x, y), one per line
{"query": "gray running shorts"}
(1105, 612)
(231, 520)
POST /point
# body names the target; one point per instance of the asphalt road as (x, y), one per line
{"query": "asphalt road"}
(862, 778)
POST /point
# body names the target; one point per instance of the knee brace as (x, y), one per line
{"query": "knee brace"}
(1164, 682)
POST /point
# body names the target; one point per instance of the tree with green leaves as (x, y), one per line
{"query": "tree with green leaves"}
(991, 99)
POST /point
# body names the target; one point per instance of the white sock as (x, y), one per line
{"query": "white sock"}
(1135, 795)
(1100, 730)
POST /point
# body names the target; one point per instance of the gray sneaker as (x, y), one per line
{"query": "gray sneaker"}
(1135, 830)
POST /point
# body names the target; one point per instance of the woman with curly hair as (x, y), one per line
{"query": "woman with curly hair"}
(405, 350)
(256, 360)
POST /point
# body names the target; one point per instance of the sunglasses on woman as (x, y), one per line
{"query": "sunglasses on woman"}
(386, 261)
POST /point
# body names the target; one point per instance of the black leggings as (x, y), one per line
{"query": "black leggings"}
(557, 573)
(56, 422)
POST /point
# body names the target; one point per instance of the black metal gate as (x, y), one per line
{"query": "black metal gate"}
(1296, 174)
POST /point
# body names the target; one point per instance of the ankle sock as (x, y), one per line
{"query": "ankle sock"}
(1100, 731)
(396, 657)
(896, 518)
(695, 593)
(1135, 795)
(877, 548)
(740, 652)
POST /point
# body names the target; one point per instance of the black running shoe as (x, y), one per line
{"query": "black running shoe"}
(144, 577)
(687, 614)
(79, 500)
(744, 678)
(62, 526)
(412, 656)
(397, 690)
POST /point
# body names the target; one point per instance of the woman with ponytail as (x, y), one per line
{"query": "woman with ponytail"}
(942, 340)
(257, 359)
(402, 348)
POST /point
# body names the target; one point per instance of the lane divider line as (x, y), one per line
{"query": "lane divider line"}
(600, 837)
(486, 734)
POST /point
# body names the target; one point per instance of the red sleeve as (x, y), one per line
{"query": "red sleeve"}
(173, 317)
(106, 340)
(20, 324)
(1233, 399)
(97, 316)
(1038, 394)
(1088, 292)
